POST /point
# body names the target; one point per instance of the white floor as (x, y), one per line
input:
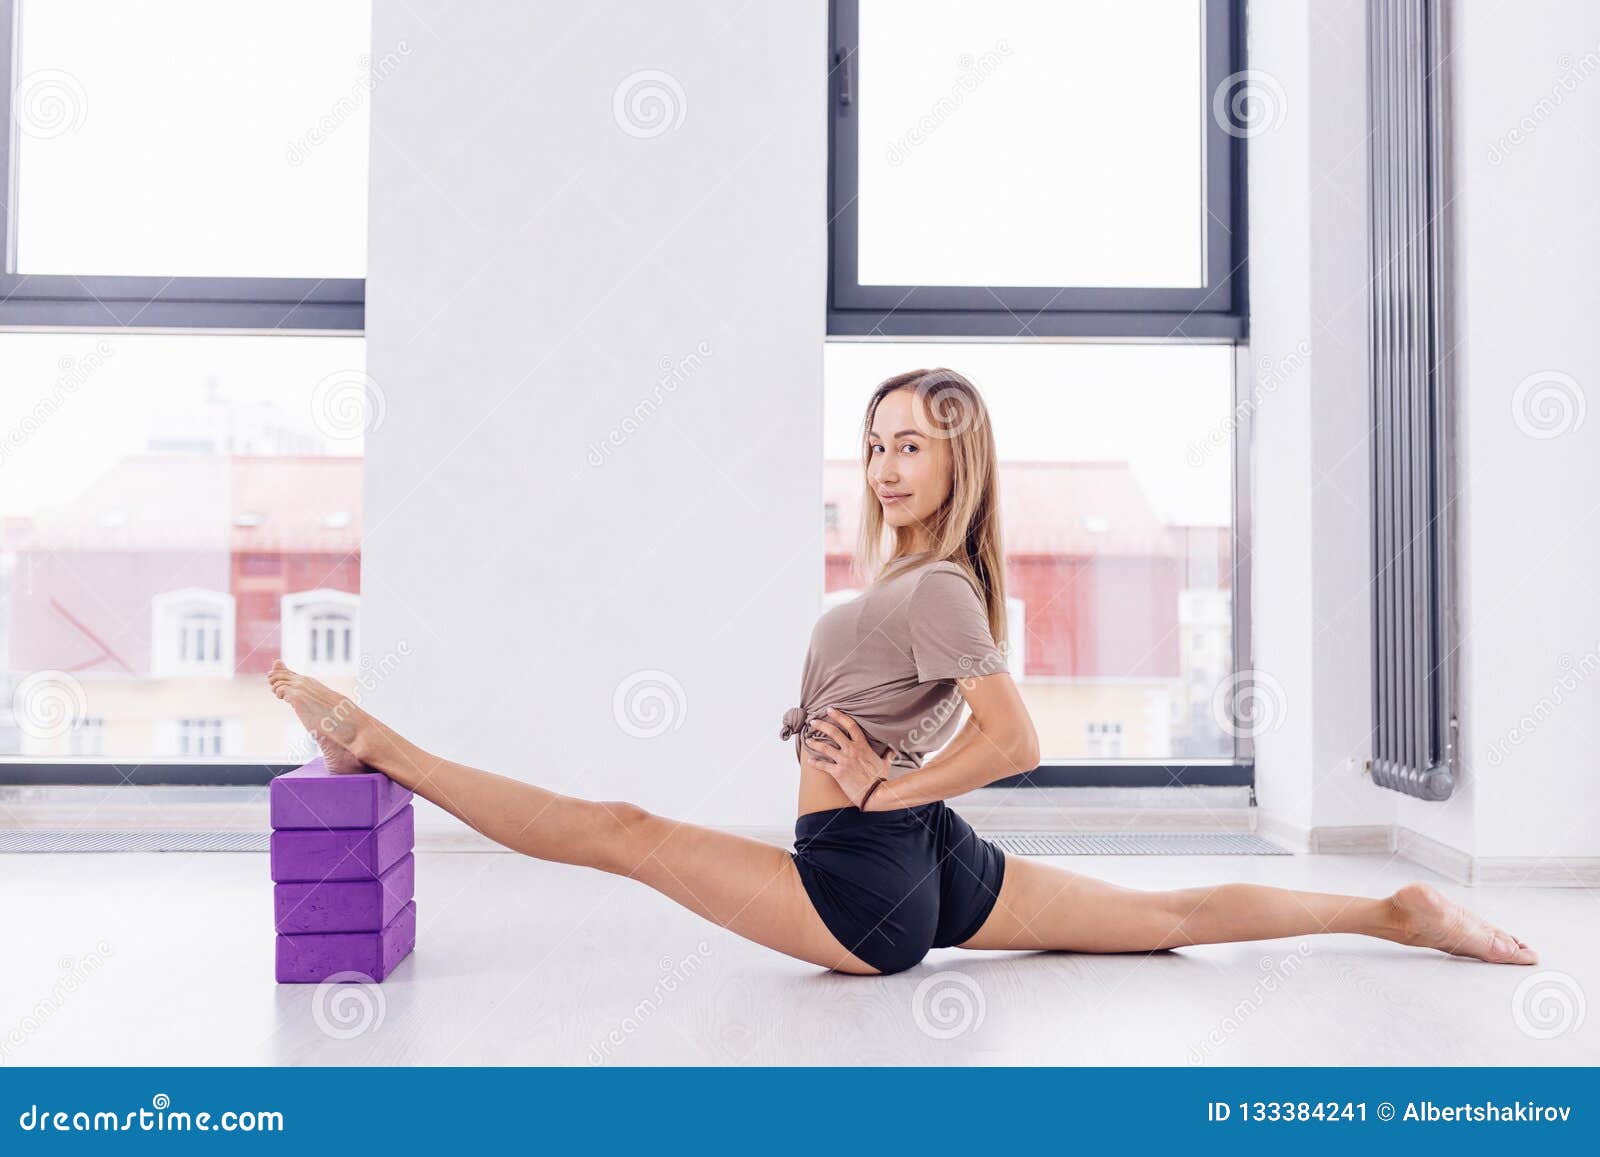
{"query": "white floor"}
(167, 959)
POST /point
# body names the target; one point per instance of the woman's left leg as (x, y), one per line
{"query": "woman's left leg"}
(747, 886)
(1042, 906)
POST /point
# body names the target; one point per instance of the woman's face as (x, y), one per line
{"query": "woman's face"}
(908, 467)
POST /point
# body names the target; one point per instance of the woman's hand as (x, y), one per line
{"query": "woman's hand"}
(843, 752)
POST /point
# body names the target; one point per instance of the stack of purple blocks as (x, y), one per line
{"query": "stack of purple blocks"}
(343, 873)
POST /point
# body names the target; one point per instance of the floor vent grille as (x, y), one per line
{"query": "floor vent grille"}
(85, 840)
(1136, 844)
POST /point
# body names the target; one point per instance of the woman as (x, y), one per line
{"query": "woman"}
(882, 869)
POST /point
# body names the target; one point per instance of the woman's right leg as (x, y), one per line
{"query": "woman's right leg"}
(1042, 906)
(747, 886)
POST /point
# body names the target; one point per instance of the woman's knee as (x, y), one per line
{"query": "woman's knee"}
(630, 832)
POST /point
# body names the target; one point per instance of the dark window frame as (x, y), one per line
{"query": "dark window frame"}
(109, 301)
(1216, 310)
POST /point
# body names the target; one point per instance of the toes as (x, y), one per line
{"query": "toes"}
(1504, 948)
(1517, 951)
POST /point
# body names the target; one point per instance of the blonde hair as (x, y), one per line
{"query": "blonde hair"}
(966, 528)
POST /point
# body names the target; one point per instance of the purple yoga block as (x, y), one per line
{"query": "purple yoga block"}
(314, 797)
(307, 856)
(345, 905)
(352, 956)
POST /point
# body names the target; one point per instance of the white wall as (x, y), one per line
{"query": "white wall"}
(1527, 247)
(1280, 416)
(1311, 615)
(532, 268)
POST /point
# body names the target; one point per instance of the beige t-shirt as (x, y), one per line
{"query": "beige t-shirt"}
(889, 659)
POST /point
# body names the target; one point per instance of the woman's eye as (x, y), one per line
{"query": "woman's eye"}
(909, 446)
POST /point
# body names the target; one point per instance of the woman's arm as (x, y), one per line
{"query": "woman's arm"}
(997, 740)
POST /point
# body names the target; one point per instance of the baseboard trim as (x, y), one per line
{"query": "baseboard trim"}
(1292, 836)
(1425, 851)
(1436, 856)
(1543, 872)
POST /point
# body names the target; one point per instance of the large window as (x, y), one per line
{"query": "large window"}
(183, 396)
(1049, 198)
(185, 162)
(1022, 168)
(177, 510)
(1116, 490)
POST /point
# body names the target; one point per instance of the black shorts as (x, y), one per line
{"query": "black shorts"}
(891, 885)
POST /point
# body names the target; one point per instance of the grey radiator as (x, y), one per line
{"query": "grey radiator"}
(1410, 384)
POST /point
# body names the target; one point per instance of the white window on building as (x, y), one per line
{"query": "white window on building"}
(331, 634)
(87, 737)
(1104, 740)
(191, 633)
(200, 637)
(320, 631)
(199, 737)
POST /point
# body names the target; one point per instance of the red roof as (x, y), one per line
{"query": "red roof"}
(257, 527)
(1053, 508)
(202, 502)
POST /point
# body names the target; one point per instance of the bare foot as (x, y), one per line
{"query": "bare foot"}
(331, 719)
(1429, 919)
